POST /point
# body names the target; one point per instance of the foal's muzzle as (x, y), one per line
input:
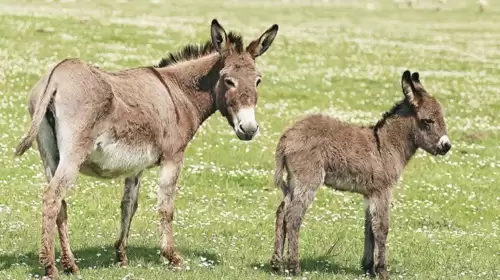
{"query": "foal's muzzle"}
(444, 145)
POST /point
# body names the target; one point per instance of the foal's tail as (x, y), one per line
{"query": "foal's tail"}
(280, 167)
(40, 108)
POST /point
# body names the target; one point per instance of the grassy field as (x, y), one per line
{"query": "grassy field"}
(342, 58)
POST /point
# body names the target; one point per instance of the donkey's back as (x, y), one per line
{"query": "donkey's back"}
(115, 117)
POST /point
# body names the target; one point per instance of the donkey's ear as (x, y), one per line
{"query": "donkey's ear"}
(412, 95)
(219, 36)
(415, 77)
(260, 46)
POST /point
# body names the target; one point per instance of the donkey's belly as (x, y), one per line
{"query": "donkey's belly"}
(344, 184)
(110, 159)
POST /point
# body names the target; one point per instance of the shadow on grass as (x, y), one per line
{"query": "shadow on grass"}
(321, 264)
(101, 257)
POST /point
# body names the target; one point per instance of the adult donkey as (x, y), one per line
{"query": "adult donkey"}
(107, 124)
(366, 160)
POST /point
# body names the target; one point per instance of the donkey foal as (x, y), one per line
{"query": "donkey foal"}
(367, 160)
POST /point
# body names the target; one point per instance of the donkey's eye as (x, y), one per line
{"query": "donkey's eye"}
(229, 82)
(257, 83)
(426, 122)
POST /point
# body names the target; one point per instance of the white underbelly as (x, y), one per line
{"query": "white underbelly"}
(110, 158)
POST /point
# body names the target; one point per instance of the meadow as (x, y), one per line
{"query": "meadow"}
(341, 58)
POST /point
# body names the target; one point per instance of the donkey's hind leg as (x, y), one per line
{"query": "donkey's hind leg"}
(302, 195)
(67, 258)
(128, 208)
(49, 154)
(280, 233)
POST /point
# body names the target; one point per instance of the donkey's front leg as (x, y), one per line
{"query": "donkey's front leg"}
(169, 173)
(367, 261)
(379, 210)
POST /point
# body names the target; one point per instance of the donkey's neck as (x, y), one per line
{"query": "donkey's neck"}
(396, 141)
(196, 80)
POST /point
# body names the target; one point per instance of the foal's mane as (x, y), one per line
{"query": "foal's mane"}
(193, 51)
(396, 108)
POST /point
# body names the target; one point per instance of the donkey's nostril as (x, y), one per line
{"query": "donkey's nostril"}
(446, 146)
(241, 128)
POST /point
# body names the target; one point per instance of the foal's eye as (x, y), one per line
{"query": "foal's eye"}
(257, 83)
(229, 82)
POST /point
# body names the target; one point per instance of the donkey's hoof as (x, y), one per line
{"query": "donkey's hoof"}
(383, 275)
(73, 270)
(122, 262)
(69, 266)
(295, 271)
(382, 272)
(175, 259)
(368, 269)
(277, 266)
(51, 273)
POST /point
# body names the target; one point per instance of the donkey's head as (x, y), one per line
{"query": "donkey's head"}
(430, 128)
(236, 89)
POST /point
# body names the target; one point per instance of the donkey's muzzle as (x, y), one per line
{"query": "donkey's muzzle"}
(444, 145)
(444, 148)
(247, 131)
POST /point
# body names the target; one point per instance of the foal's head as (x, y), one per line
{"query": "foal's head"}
(430, 128)
(236, 89)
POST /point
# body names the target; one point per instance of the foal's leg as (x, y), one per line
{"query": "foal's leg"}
(367, 262)
(280, 233)
(169, 173)
(302, 196)
(379, 210)
(128, 207)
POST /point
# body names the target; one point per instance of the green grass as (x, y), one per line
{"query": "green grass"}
(340, 59)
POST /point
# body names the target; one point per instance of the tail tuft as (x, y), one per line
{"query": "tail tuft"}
(280, 167)
(24, 145)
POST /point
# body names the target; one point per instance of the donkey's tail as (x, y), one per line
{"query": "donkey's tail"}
(280, 167)
(40, 109)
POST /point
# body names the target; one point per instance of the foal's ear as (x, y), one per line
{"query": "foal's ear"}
(260, 46)
(407, 84)
(219, 36)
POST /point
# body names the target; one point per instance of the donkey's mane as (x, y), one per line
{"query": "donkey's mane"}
(191, 51)
(393, 111)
